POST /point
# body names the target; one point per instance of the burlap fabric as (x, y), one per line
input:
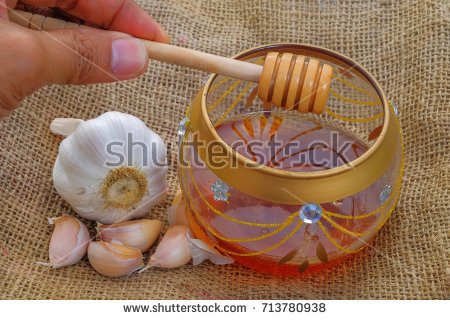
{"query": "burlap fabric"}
(405, 44)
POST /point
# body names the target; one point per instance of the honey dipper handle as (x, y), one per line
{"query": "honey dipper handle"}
(203, 61)
(158, 51)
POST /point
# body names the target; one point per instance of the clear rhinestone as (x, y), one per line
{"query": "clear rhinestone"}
(384, 195)
(310, 213)
(182, 128)
(394, 107)
(204, 81)
(220, 190)
(265, 231)
(220, 197)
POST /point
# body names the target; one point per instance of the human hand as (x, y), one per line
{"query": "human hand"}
(31, 59)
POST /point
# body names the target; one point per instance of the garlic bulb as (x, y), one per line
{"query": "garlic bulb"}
(139, 234)
(68, 243)
(173, 250)
(200, 252)
(114, 259)
(111, 168)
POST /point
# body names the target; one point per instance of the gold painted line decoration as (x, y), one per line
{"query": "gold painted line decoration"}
(370, 214)
(218, 84)
(342, 229)
(233, 105)
(287, 222)
(355, 87)
(337, 245)
(276, 245)
(223, 96)
(228, 217)
(207, 226)
(228, 91)
(354, 101)
(369, 119)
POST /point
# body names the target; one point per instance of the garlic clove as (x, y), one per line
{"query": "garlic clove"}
(200, 252)
(140, 234)
(69, 241)
(114, 259)
(176, 213)
(173, 250)
(172, 215)
(65, 126)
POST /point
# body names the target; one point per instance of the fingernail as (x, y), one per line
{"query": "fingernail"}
(128, 56)
(165, 36)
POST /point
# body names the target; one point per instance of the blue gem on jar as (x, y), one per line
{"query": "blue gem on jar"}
(310, 213)
(384, 195)
(220, 190)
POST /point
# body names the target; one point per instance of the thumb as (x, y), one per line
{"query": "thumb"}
(87, 55)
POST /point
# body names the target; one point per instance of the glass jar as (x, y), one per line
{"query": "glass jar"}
(286, 192)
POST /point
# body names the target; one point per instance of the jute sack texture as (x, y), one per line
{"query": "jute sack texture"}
(404, 44)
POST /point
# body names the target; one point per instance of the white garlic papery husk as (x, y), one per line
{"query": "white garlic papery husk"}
(200, 252)
(176, 213)
(110, 169)
(65, 126)
(140, 234)
(69, 241)
(114, 259)
(173, 250)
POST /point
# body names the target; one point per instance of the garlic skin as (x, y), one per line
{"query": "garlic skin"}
(200, 252)
(110, 169)
(140, 234)
(65, 126)
(69, 241)
(114, 259)
(173, 250)
(176, 213)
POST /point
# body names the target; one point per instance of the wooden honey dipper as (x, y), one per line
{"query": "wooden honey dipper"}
(285, 80)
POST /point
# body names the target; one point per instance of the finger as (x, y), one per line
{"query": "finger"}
(3, 10)
(11, 3)
(119, 15)
(83, 56)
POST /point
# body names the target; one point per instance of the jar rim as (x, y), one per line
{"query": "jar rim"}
(345, 179)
